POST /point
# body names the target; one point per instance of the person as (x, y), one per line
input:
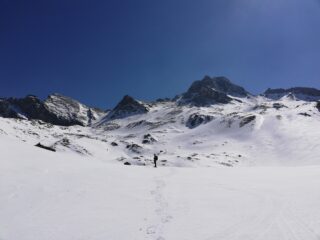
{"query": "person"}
(155, 159)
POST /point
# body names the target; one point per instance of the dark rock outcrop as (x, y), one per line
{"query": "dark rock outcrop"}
(210, 91)
(247, 120)
(8, 110)
(304, 114)
(114, 144)
(195, 120)
(148, 139)
(318, 106)
(278, 106)
(134, 148)
(28, 107)
(45, 147)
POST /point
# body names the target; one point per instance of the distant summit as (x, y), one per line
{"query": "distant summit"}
(299, 93)
(128, 106)
(211, 91)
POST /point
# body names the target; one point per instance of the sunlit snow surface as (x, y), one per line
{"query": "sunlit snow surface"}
(219, 180)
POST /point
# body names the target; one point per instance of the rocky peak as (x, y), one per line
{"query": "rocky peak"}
(220, 84)
(126, 107)
(212, 90)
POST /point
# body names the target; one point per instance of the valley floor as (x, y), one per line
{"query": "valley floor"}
(50, 196)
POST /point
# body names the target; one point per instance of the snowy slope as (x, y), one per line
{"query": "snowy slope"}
(46, 195)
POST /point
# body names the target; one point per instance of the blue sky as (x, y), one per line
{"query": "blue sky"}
(98, 51)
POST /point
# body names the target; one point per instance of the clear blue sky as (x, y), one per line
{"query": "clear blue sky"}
(98, 51)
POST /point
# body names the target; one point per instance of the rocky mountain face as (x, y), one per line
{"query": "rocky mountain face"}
(68, 111)
(210, 91)
(56, 109)
(300, 93)
(128, 106)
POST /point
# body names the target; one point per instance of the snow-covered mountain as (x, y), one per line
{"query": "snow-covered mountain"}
(215, 122)
(64, 173)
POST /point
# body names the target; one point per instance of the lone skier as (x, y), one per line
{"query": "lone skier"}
(155, 159)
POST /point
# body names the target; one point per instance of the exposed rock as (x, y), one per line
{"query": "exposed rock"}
(247, 120)
(196, 119)
(278, 106)
(221, 84)
(114, 144)
(7, 110)
(56, 109)
(128, 106)
(318, 106)
(210, 91)
(109, 126)
(305, 114)
(261, 107)
(139, 123)
(66, 145)
(45, 147)
(29, 107)
(127, 163)
(148, 139)
(68, 111)
(134, 148)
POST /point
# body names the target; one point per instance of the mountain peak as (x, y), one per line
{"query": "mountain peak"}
(126, 107)
(211, 90)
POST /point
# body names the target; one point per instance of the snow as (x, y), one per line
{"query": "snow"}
(47, 195)
(215, 181)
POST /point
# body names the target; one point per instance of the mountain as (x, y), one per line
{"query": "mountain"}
(128, 106)
(210, 91)
(215, 122)
(299, 93)
(248, 165)
(68, 111)
(56, 109)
